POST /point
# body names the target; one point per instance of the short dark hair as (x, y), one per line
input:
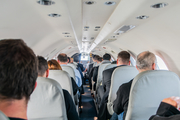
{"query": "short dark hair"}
(96, 57)
(76, 58)
(124, 56)
(62, 57)
(42, 65)
(18, 66)
(100, 59)
(106, 56)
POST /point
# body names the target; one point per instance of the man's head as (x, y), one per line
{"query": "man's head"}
(62, 58)
(76, 58)
(100, 59)
(123, 58)
(69, 60)
(18, 66)
(107, 57)
(43, 70)
(146, 61)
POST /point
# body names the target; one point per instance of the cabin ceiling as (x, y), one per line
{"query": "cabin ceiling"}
(92, 27)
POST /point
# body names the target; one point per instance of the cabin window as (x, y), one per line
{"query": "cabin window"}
(84, 57)
(133, 61)
(160, 64)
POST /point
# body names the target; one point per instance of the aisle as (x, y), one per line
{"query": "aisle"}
(88, 110)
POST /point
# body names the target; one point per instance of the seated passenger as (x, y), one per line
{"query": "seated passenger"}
(145, 61)
(18, 66)
(43, 71)
(123, 60)
(168, 110)
(63, 60)
(54, 65)
(95, 72)
(114, 62)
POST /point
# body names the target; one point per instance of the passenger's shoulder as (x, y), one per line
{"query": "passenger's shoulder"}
(126, 85)
(110, 70)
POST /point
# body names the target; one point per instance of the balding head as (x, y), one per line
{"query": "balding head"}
(62, 58)
(146, 61)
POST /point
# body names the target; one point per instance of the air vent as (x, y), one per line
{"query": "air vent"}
(110, 3)
(84, 38)
(97, 27)
(54, 15)
(159, 5)
(45, 2)
(124, 29)
(89, 2)
(142, 17)
(113, 36)
(65, 33)
(92, 38)
(67, 36)
(86, 27)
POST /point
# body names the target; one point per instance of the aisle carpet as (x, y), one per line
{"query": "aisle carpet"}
(88, 107)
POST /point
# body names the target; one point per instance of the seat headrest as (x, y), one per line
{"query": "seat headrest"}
(110, 66)
(148, 89)
(120, 76)
(72, 65)
(69, 70)
(63, 78)
(3, 116)
(47, 101)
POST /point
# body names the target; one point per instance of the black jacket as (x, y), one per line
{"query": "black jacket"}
(95, 75)
(166, 112)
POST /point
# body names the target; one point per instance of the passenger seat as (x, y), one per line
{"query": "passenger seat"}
(47, 101)
(3, 116)
(148, 89)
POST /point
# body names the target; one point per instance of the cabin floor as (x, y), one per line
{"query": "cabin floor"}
(88, 107)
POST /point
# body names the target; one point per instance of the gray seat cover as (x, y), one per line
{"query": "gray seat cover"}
(120, 76)
(110, 66)
(47, 101)
(69, 70)
(63, 78)
(100, 71)
(3, 116)
(148, 89)
(72, 65)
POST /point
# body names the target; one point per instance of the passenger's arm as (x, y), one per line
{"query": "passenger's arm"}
(70, 106)
(118, 103)
(167, 110)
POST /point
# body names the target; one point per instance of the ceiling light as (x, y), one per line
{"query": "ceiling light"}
(109, 3)
(65, 33)
(89, 2)
(45, 2)
(124, 29)
(54, 15)
(159, 5)
(142, 17)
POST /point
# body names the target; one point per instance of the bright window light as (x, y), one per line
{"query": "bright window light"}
(84, 57)
(160, 64)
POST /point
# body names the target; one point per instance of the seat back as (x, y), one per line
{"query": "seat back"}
(110, 66)
(47, 101)
(69, 70)
(72, 65)
(100, 71)
(120, 76)
(3, 116)
(63, 78)
(148, 89)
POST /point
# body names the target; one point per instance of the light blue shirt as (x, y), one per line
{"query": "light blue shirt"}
(77, 76)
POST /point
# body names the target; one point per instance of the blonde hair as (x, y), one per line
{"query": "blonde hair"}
(54, 65)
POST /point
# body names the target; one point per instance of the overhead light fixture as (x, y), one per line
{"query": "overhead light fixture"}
(54, 15)
(45, 2)
(124, 29)
(142, 17)
(89, 2)
(159, 5)
(110, 3)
